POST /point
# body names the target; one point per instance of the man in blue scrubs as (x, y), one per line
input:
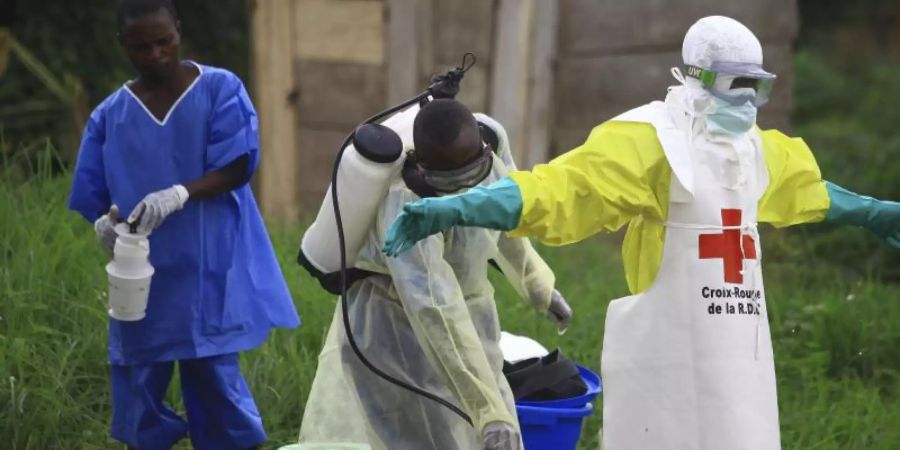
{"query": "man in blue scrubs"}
(173, 150)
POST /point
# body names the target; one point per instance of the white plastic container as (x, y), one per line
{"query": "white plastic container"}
(362, 185)
(129, 275)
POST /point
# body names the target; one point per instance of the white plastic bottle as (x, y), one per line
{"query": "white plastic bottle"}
(363, 182)
(129, 275)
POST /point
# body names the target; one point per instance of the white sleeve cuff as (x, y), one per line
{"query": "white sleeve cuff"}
(182, 194)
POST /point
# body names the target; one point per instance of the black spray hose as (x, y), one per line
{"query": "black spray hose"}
(442, 86)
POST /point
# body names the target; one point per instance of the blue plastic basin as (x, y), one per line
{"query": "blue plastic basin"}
(551, 428)
(556, 424)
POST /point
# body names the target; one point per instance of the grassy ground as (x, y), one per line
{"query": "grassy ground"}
(836, 333)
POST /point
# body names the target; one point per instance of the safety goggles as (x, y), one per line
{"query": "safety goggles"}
(470, 174)
(735, 83)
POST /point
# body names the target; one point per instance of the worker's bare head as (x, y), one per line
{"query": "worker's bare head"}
(446, 135)
(448, 146)
(150, 32)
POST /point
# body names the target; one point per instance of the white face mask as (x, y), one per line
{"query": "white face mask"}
(734, 120)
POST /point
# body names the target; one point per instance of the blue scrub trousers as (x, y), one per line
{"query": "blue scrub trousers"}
(221, 414)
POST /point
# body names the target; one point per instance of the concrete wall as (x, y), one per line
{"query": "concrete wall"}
(323, 66)
(339, 68)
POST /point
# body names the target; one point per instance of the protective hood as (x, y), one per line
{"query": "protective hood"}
(688, 100)
(719, 39)
(725, 58)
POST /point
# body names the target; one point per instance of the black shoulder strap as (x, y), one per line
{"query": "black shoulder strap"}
(331, 282)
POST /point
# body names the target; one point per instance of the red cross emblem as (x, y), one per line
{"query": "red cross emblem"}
(731, 246)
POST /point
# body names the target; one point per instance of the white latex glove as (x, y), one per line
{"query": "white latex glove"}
(156, 206)
(559, 311)
(501, 436)
(105, 227)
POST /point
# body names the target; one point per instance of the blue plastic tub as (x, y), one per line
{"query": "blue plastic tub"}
(551, 428)
(594, 386)
(556, 424)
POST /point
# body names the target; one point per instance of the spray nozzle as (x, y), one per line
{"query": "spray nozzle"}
(447, 85)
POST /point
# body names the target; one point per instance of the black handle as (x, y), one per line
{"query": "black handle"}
(447, 85)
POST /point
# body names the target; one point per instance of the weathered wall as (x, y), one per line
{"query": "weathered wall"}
(339, 73)
(462, 26)
(323, 65)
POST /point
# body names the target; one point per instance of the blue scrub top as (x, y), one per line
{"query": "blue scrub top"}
(217, 288)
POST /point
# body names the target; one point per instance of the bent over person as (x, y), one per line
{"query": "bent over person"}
(429, 317)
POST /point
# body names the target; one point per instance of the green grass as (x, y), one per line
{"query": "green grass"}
(836, 331)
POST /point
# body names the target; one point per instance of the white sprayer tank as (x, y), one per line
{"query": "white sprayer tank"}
(363, 182)
(129, 275)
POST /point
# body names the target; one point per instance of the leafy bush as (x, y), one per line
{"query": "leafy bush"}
(77, 41)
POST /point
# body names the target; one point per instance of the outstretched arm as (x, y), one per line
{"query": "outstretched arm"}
(599, 186)
(797, 193)
(878, 216)
(496, 206)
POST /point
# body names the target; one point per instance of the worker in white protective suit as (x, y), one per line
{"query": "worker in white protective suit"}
(687, 360)
(429, 317)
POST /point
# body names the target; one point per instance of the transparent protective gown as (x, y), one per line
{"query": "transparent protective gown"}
(428, 318)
